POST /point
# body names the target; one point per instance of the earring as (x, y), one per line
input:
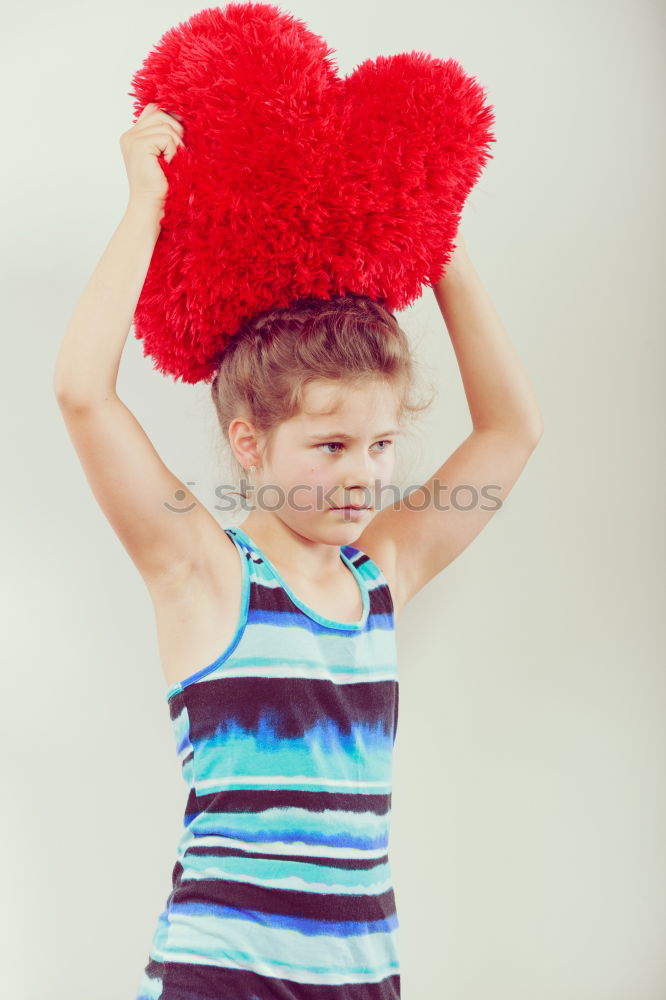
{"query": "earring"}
(253, 468)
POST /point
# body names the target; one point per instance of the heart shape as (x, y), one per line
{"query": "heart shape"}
(295, 182)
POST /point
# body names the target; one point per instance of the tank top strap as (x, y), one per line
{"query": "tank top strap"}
(381, 600)
(258, 569)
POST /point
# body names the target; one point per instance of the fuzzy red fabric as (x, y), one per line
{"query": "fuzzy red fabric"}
(295, 182)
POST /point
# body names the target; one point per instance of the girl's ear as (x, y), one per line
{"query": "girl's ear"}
(243, 441)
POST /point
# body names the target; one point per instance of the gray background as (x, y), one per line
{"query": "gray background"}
(531, 729)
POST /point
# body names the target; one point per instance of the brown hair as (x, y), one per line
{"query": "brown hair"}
(267, 364)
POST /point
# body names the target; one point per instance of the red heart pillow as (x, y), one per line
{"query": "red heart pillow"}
(294, 181)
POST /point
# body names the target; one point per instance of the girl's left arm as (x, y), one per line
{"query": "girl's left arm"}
(498, 391)
(421, 534)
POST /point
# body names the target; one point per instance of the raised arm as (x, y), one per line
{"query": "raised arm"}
(418, 538)
(128, 478)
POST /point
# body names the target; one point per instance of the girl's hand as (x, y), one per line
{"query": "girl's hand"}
(154, 132)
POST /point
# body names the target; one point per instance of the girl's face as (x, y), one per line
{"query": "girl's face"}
(339, 450)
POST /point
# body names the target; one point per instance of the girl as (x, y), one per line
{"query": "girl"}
(277, 637)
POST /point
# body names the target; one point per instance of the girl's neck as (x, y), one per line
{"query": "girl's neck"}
(288, 550)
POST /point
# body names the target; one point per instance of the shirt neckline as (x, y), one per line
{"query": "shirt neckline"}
(310, 612)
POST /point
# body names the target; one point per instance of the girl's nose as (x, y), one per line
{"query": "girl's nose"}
(358, 486)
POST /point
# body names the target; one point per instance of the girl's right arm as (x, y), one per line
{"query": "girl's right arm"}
(128, 478)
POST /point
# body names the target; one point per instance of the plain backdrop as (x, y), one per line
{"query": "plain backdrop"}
(532, 680)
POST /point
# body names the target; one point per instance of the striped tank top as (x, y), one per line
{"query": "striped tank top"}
(282, 888)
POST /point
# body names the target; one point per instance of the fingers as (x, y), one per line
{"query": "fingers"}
(171, 148)
(152, 110)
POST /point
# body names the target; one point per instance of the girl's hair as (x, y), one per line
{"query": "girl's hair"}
(267, 365)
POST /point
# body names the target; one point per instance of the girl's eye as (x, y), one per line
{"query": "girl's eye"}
(339, 444)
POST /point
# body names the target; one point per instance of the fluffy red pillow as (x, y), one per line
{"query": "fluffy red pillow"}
(294, 181)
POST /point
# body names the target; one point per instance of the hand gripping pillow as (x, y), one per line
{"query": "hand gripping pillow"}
(295, 182)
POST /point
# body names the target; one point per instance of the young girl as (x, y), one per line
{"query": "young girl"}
(277, 637)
